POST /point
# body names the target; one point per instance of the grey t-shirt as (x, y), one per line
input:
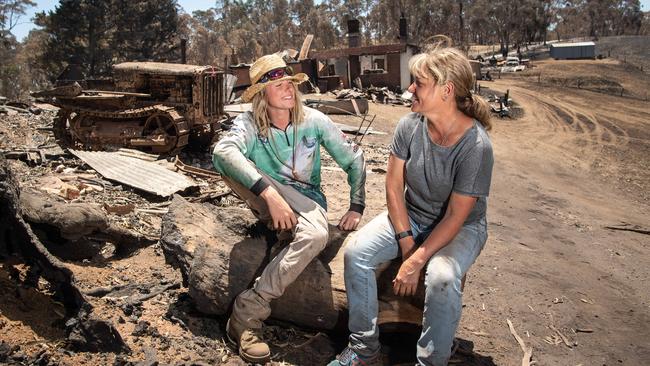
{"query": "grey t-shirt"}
(434, 171)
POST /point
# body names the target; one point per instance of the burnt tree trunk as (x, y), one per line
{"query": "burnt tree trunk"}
(85, 330)
(221, 250)
(76, 231)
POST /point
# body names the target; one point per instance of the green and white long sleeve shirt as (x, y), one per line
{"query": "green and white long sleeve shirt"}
(291, 157)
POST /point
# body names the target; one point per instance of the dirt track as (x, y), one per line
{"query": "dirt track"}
(577, 161)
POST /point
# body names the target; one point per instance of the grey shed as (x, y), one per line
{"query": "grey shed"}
(572, 51)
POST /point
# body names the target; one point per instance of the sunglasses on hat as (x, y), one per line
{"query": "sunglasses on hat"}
(276, 74)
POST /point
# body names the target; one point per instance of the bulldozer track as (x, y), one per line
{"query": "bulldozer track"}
(180, 124)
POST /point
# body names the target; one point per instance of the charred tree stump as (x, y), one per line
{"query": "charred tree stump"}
(221, 250)
(86, 331)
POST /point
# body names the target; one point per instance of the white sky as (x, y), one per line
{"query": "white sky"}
(22, 29)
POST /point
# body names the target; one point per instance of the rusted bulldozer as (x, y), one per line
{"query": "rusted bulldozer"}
(151, 106)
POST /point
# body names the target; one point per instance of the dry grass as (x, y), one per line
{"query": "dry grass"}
(633, 50)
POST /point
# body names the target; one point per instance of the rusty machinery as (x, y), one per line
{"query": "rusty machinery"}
(152, 106)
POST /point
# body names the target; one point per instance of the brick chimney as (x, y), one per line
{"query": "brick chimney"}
(403, 29)
(354, 37)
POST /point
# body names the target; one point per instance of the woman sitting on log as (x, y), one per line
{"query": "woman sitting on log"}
(271, 158)
(437, 181)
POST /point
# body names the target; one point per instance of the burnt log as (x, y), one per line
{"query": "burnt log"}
(221, 250)
(19, 242)
(76, 231)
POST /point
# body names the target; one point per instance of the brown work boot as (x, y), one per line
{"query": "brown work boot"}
(251, 346)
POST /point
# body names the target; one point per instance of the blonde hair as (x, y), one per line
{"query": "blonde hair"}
(296, 115)
(444, 64)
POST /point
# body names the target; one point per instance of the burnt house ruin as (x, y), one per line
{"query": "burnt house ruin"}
(361, 66)
(378, 65)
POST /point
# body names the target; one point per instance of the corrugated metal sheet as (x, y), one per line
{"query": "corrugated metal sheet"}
(144, 175)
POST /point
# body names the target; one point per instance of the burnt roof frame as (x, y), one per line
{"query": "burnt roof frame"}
(361, 51)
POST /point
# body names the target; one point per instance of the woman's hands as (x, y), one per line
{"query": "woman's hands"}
(406, 281)
(349, 221)
(281, 213)
(285, 219)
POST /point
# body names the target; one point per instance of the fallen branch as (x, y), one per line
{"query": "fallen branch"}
(309, 340)
(198, 172)
(553, 340)
(152, 211)
(103, 291)
(20, 110)
(564, 338)
(135, 300)
(584, 330)
(481, 334)
(210, 196)
(627, 227)
(528, 351)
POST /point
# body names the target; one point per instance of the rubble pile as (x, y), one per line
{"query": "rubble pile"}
(501, 105)
(373, 93)
(91, 244)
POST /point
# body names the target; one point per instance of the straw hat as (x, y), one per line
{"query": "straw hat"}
(263, 65)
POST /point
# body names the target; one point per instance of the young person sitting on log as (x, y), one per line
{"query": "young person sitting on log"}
(437, 181)
(271, 158)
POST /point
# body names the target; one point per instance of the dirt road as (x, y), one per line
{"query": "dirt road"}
(577, 162)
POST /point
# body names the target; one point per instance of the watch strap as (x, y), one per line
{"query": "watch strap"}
(403, 235)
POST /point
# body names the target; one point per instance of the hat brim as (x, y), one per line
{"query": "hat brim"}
(250, 92)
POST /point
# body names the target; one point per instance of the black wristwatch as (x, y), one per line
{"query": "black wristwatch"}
(403, 234)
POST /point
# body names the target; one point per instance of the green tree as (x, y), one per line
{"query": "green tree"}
(10, 13)
(10, 67)
(77, 33)
(97, 33)
(145, 30)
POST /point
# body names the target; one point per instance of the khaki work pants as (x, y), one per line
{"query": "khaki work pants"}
(252, 306)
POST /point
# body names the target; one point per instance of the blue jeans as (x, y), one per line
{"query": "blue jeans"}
(375, 244)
